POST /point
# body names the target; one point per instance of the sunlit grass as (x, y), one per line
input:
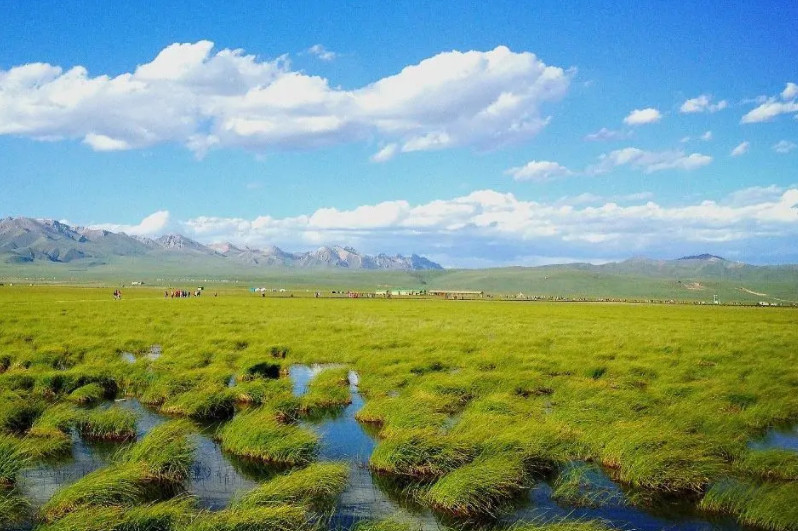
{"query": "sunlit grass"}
(112, 424)
(257, 434)
(666, 398)
(316, 486)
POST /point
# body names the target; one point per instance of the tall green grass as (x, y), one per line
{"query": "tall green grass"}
(87, 394)
(166, 451)
(329, 389)
(420, 454)
(112, 424)
(13, 457)
(317, 486)
(257, 434)
(667, 396)
(479, 488)
(205, 403)
(14, 509)
(112, 486)
(773, 463)
(163, 516)
(50, 433)
(273, 518)
(764, 505)
(386, 524)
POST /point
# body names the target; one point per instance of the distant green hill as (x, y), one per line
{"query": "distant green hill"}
(636, 279)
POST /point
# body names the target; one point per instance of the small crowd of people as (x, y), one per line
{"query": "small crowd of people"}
(180, 294)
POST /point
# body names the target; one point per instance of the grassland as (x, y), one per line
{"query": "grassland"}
(473, 401)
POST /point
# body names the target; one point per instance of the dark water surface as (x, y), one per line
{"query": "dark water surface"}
(216, 477)
(783, 437)
(344, 439)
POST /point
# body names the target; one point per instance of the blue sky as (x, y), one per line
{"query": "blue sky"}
(511, 133)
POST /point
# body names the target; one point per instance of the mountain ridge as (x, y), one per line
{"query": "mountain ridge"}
(27, 240)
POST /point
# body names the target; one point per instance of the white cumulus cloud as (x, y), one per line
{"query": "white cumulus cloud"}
(152, 225)
(386, 153)
(462, 228)
(605, 134)
(770, 108)
(790, 91)
(649, 161)
(741, 149)
(538, 170)
(784, 146)
(322, 53)
(702, 103)
(648, 115)
(206, 99)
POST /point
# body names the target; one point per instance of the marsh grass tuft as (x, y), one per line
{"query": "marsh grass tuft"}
(581, 485)
(206, 403)
(13, 508)
(482, 487)
(775, 463)
(386, 524)
(107, 487)
(163, 516)
(112, 424)
(420, 454)
(257, 434)
(166, 451)
(764, 505)
(87, 394)
(274, 518)
(13, 457)
(50, 433)
(317, 486)
(329, 389)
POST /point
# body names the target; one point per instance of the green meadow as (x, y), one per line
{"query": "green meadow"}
(471, 404)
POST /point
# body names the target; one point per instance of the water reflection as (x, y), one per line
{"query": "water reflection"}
(785, 438)
(216, 478)
(344, 439)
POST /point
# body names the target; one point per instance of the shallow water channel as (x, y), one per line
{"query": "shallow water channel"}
(216, 477)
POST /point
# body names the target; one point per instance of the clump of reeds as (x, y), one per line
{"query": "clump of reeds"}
(421, 453)
(659, 457)
(275, 518)
(13, 508)
(257, 434)
(481, 487)
(387, 524)
(13, 457)
(204, 403)
(329, 389)
(163, 516)
(317, 486)
(166, 451)
(259, 391)
(775, 463)
(49, 434)
(87, 394)
(581, 485)
(17, 413)
(765, 505)
(107, 487)
(112, 424)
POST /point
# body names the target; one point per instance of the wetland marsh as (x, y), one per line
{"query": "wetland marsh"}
(299, 413)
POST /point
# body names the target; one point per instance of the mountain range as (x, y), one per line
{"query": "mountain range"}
(26, 240)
